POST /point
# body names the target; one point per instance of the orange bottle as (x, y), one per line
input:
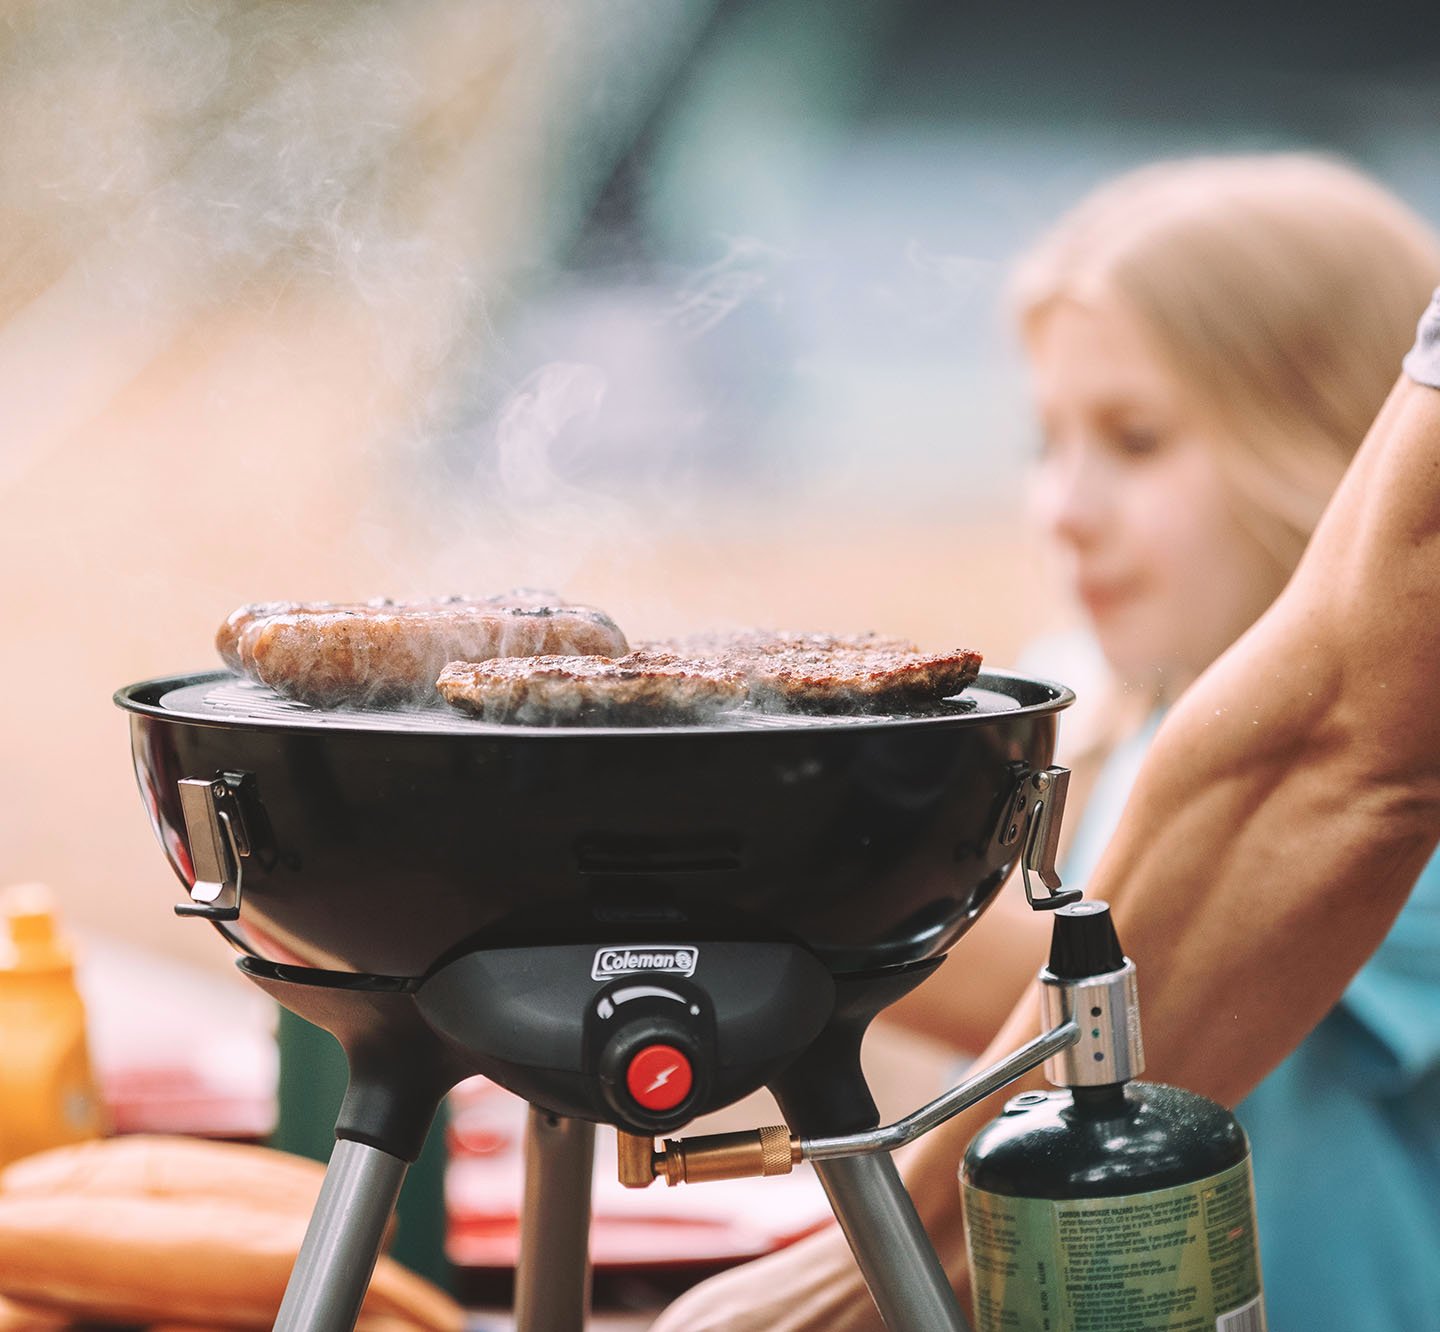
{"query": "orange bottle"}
(48, 1095)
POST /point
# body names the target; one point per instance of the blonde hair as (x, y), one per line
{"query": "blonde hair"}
(1283, 288)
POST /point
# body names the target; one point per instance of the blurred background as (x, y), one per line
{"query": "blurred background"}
(688, 310)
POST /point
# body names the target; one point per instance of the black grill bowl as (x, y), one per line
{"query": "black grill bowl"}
(386, 843)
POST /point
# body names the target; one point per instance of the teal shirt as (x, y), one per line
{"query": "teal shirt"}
(1346, 1132)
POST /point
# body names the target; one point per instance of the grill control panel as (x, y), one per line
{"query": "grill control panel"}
(645, 1036)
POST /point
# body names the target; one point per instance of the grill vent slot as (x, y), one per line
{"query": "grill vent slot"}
(680, 853)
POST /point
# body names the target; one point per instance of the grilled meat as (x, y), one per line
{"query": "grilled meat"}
(554, 690)
(387, 652)
(227, 637)
(875, 680)
(830, 673)
(698, 677)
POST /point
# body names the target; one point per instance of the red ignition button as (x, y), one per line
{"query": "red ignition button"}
(659, 1077)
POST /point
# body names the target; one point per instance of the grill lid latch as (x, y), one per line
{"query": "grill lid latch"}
(1046, 808)
(218, 840)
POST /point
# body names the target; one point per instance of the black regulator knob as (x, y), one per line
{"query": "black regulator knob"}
(649, 1074)
(1083, 942)
(656, 1053)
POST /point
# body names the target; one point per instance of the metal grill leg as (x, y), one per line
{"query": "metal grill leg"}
(552, 1285)
(328, 1282)
(896, 1258)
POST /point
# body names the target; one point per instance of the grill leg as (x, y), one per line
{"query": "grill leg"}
(896, 1258)
(552, 1285)
(328, 1282)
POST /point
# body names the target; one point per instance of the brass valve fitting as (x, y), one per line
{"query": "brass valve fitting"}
(745, 1155)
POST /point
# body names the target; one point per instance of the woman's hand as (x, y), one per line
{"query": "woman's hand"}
(811, 1286)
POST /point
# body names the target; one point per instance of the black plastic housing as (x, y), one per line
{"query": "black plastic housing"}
(542, 1022)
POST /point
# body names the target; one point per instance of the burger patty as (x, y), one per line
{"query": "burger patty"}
(639, 687)
(699, 677)
(389, 653)
(832, 673)
(873, 680)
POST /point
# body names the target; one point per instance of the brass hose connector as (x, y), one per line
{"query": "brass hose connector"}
(636, 1155)
(746, 1155)
(765, 1151)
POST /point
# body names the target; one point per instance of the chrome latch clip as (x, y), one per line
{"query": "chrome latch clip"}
(219, 844)
(1047, 790)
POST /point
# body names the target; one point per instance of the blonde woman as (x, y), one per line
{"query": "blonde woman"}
(1209, 340)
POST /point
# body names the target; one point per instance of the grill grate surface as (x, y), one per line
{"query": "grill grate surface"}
(243, 702)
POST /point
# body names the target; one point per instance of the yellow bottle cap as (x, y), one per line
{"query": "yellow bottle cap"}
(30, 937)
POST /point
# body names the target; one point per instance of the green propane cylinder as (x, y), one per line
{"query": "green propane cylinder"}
(1111, 1205)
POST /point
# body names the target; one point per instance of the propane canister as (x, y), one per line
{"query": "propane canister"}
(1111, 1205)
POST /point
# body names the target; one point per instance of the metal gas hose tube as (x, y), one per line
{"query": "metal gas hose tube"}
(774, 1151)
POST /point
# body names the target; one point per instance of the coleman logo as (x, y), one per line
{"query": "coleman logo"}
(626, 959)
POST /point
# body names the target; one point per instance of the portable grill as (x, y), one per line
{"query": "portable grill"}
(623, 925)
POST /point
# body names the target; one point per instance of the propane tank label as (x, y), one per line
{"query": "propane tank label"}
(1175, 1260)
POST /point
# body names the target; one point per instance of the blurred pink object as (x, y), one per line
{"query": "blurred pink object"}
(178, 1048)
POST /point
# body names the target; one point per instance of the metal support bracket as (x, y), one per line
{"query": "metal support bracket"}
(219, 843)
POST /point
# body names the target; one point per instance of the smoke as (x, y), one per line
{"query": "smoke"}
(746, 271)
(657, 400)
(400, 173)
(957, 277)
(531, 422)
(165, 162)
(609, 405)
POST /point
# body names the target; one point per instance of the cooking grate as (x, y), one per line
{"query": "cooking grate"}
(233, 700)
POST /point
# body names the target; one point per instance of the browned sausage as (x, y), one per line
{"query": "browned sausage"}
(391, 653)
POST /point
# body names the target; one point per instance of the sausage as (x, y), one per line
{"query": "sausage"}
(390, 653)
